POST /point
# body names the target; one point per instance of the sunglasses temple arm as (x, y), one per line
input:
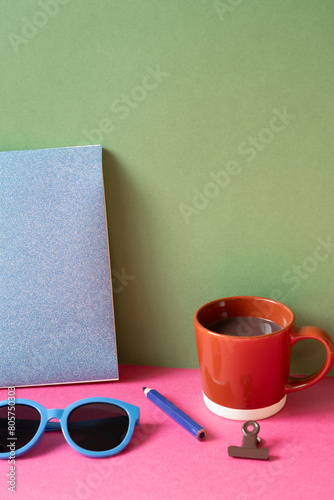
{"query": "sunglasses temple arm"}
(53, 426)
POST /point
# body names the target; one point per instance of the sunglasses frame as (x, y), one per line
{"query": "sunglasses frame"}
(62, 414)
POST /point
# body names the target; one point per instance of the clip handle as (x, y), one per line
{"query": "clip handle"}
(250, 430)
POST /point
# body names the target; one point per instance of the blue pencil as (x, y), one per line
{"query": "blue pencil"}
(174, 412)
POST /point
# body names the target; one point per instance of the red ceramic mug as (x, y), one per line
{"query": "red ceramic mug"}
(247, 377)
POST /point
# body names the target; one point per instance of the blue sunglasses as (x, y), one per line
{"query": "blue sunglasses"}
(95, 427)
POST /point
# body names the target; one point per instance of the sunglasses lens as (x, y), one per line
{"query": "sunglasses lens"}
(23, 428)
(98, 426)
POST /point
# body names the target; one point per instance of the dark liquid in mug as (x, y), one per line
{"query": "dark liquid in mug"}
(243, 326)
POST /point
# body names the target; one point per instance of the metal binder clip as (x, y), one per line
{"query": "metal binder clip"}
(250, 441)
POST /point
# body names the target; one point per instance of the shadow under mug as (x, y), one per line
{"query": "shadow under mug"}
(247, 377)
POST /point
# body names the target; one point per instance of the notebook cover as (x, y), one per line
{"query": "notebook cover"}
(56, 306)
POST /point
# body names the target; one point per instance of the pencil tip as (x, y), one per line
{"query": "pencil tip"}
(144, 388)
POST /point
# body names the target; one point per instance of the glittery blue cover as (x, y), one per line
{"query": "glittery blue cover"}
(56, 309)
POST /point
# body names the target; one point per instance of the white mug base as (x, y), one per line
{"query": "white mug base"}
(237, 414)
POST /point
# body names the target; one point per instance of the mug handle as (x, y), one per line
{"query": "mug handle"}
(311, 332)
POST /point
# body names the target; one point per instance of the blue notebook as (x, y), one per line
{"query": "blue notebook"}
(56, 306)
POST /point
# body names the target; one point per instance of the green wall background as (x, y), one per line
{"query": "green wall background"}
(216, 122)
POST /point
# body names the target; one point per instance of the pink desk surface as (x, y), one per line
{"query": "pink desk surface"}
(164, 461)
